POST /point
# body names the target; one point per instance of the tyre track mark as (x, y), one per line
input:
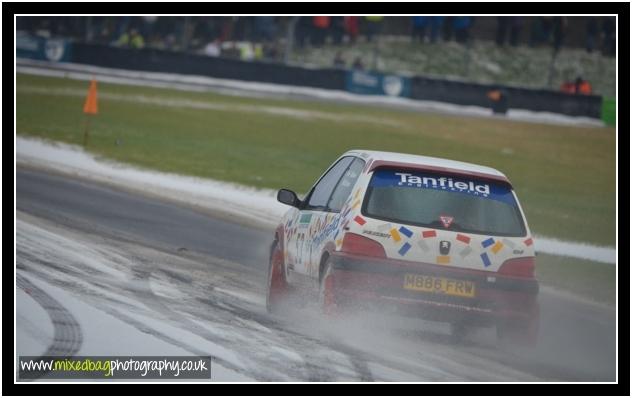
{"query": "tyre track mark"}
(68, 337)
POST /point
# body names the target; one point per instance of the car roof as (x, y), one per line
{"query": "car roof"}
(385, 159)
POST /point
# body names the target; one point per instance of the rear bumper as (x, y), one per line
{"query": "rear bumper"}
(377, 284)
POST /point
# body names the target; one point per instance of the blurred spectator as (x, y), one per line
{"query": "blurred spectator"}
(579, 86)
(271, 50)
(321, 25)
(559, 27)
(435, 28)
(373, 25)
(213, 48)
(304, 30)
(246, 51)
(609, 42)
(147, 26)
(206, 29)
(540, 31)
(511, 25)
(462, 28)
(352, 28)
(131, 39)
(165, 30)
(257, 50)
(420, 26)
(93, 28)
(547, 28)
(583, 86)
(122, 26)
(242, 28)
(338, 29)
(502, 25)
(595, 34)
(230, 50)
(515, 30)
(136, 39)
(448, 28)
(339, 61)
(592, 30)
(499, 101)
(357, 63)
(264, 28)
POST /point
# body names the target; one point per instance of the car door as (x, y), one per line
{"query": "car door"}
(326, 224)
(314, 205)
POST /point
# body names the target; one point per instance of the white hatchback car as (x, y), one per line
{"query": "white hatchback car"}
(427, 237)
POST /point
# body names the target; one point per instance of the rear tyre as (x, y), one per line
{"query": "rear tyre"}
(277, 284)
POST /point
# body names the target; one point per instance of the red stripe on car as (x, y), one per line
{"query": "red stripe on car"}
(429, 234)
(463, 238)
(359, 220)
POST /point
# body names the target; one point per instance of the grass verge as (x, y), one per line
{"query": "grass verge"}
(564, 175)
(588, 279)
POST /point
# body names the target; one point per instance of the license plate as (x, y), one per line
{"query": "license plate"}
(431, 284)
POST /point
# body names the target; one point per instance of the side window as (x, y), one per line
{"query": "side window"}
(322, 191)
(343, 190)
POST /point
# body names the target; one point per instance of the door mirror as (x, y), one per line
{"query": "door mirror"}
(288, 197)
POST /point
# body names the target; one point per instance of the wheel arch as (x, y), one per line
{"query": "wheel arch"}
(327, 250)
(278, 239)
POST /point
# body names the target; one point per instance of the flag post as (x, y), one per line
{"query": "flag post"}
(86, 131)
(90, 109)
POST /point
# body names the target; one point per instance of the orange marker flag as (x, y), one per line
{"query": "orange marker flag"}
(90, 106)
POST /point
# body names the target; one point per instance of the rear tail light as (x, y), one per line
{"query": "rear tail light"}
(519, 267)
(358, 244)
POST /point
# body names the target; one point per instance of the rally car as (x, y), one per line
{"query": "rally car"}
(413, 235)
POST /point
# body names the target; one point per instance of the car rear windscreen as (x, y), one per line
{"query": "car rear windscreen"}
(443, 202)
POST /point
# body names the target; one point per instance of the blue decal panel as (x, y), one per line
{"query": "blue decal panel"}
(467, 186)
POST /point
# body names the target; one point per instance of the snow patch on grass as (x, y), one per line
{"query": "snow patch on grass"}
(256, 205)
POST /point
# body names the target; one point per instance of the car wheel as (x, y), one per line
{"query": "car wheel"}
(277, 285)
(326, 293)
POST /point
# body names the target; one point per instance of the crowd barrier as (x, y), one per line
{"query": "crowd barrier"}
(500, 98)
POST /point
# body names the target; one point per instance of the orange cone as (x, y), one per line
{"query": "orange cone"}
(90, 106)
